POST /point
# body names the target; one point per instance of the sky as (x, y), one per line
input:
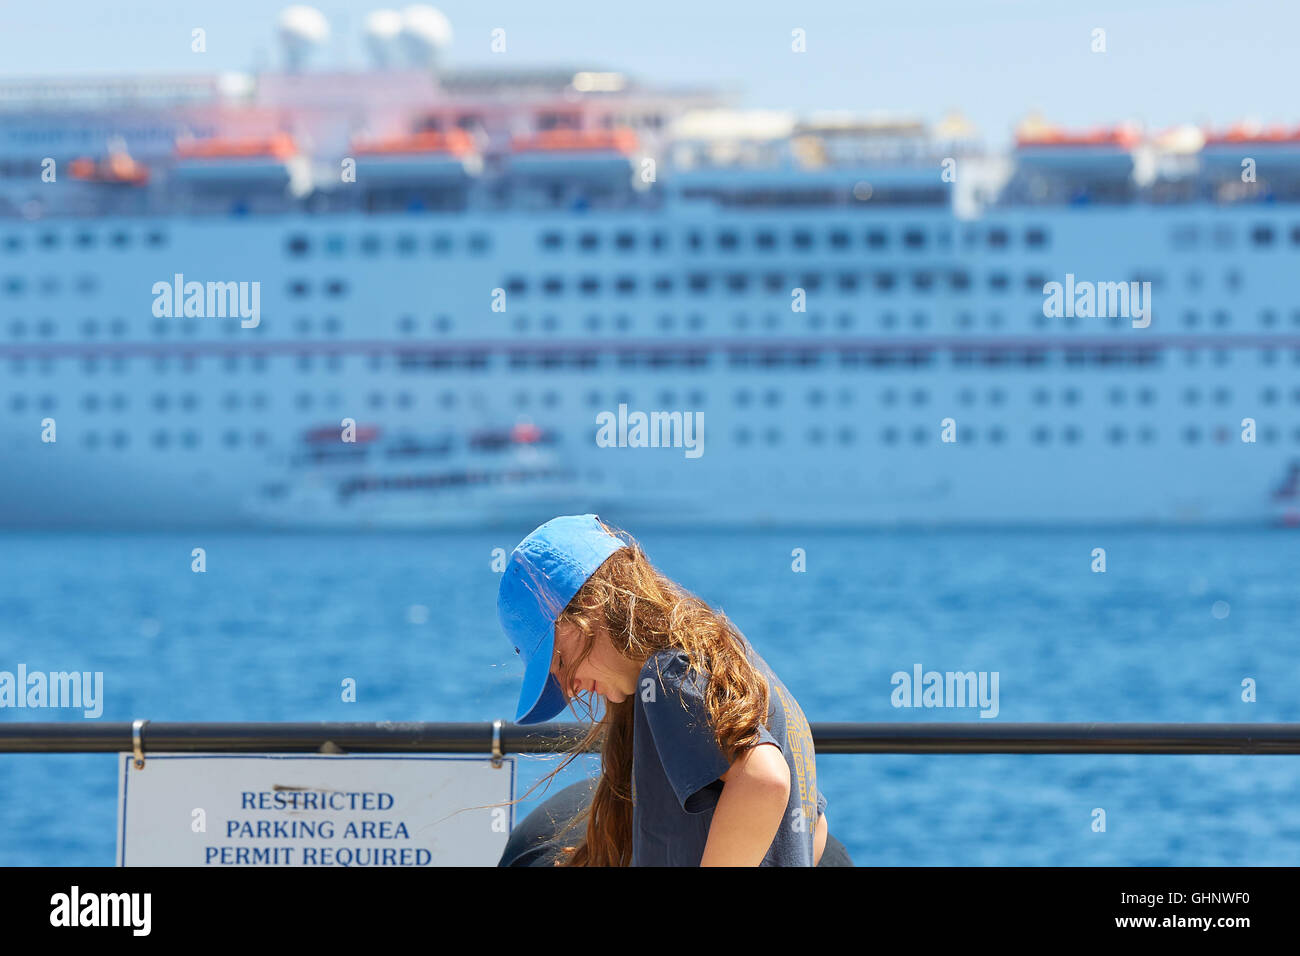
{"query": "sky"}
(1166, 62)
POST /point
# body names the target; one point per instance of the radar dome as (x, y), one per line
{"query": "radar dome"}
(425, 34)
(383, 29)
(302, 30)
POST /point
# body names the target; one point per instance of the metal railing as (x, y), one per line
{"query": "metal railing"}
(499, 737)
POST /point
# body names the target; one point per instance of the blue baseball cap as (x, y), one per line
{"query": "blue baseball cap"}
(545, 571)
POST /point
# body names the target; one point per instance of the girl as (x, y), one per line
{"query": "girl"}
(706, 758)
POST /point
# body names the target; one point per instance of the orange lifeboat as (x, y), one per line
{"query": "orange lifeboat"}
(114, 168)
(280, 147)
(577, 141)
(452, 143)
(1245, 133)
(1114, 137)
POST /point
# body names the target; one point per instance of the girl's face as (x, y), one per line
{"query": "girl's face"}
(605, 671)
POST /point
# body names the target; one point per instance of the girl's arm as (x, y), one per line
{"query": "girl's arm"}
(750, 809)
(819, 840)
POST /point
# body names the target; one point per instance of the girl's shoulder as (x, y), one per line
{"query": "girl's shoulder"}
(668, 662)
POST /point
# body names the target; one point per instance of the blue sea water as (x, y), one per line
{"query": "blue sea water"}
(1168, 633)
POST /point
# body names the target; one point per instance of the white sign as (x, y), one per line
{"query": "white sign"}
(313, 810)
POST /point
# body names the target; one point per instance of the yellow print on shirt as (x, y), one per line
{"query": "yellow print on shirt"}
(801, 751)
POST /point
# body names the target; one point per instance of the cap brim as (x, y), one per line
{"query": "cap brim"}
(541, 697)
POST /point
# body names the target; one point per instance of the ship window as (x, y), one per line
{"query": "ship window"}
(848, 281)
(914, 239)
(767, 239)
(15, 243)
(50, 240)
(811, 281)
(160, 439)
(1295, 235)
(889, 436)
(839, 239)
(922, 281)
(297, 289)
(1035, 281)
(658, 241)
(773, 282)
(738, 282)
(156, 239)
(589, 285)
(588, 242)
(369, 244)
(997, 238)
(801, 239)
(405, 244)
(885, 281)
(552, 240)
(877, 239)
(85, 240)
(960, 281)
(998, 281)
(478, 243)
(335, 245)
(334, 288)
(1035, 237)
(625, 241)
(694, 240)
(698, 282)
(1185, 236)
(441, 244)
(625, 285)
(297, 245)
(1262, 235)
(728, 240)
(1191, 434)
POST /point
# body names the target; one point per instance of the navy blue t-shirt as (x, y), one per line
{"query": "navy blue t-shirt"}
(676, 763)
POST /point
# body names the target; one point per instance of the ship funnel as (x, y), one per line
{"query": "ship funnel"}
(425, 34)
(383, 32)
(302, 31)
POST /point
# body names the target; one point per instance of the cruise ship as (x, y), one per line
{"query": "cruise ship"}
(408, 296)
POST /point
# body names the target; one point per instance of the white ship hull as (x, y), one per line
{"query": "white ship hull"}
(83, 480)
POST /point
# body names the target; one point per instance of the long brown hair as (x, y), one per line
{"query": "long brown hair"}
(643, 611)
